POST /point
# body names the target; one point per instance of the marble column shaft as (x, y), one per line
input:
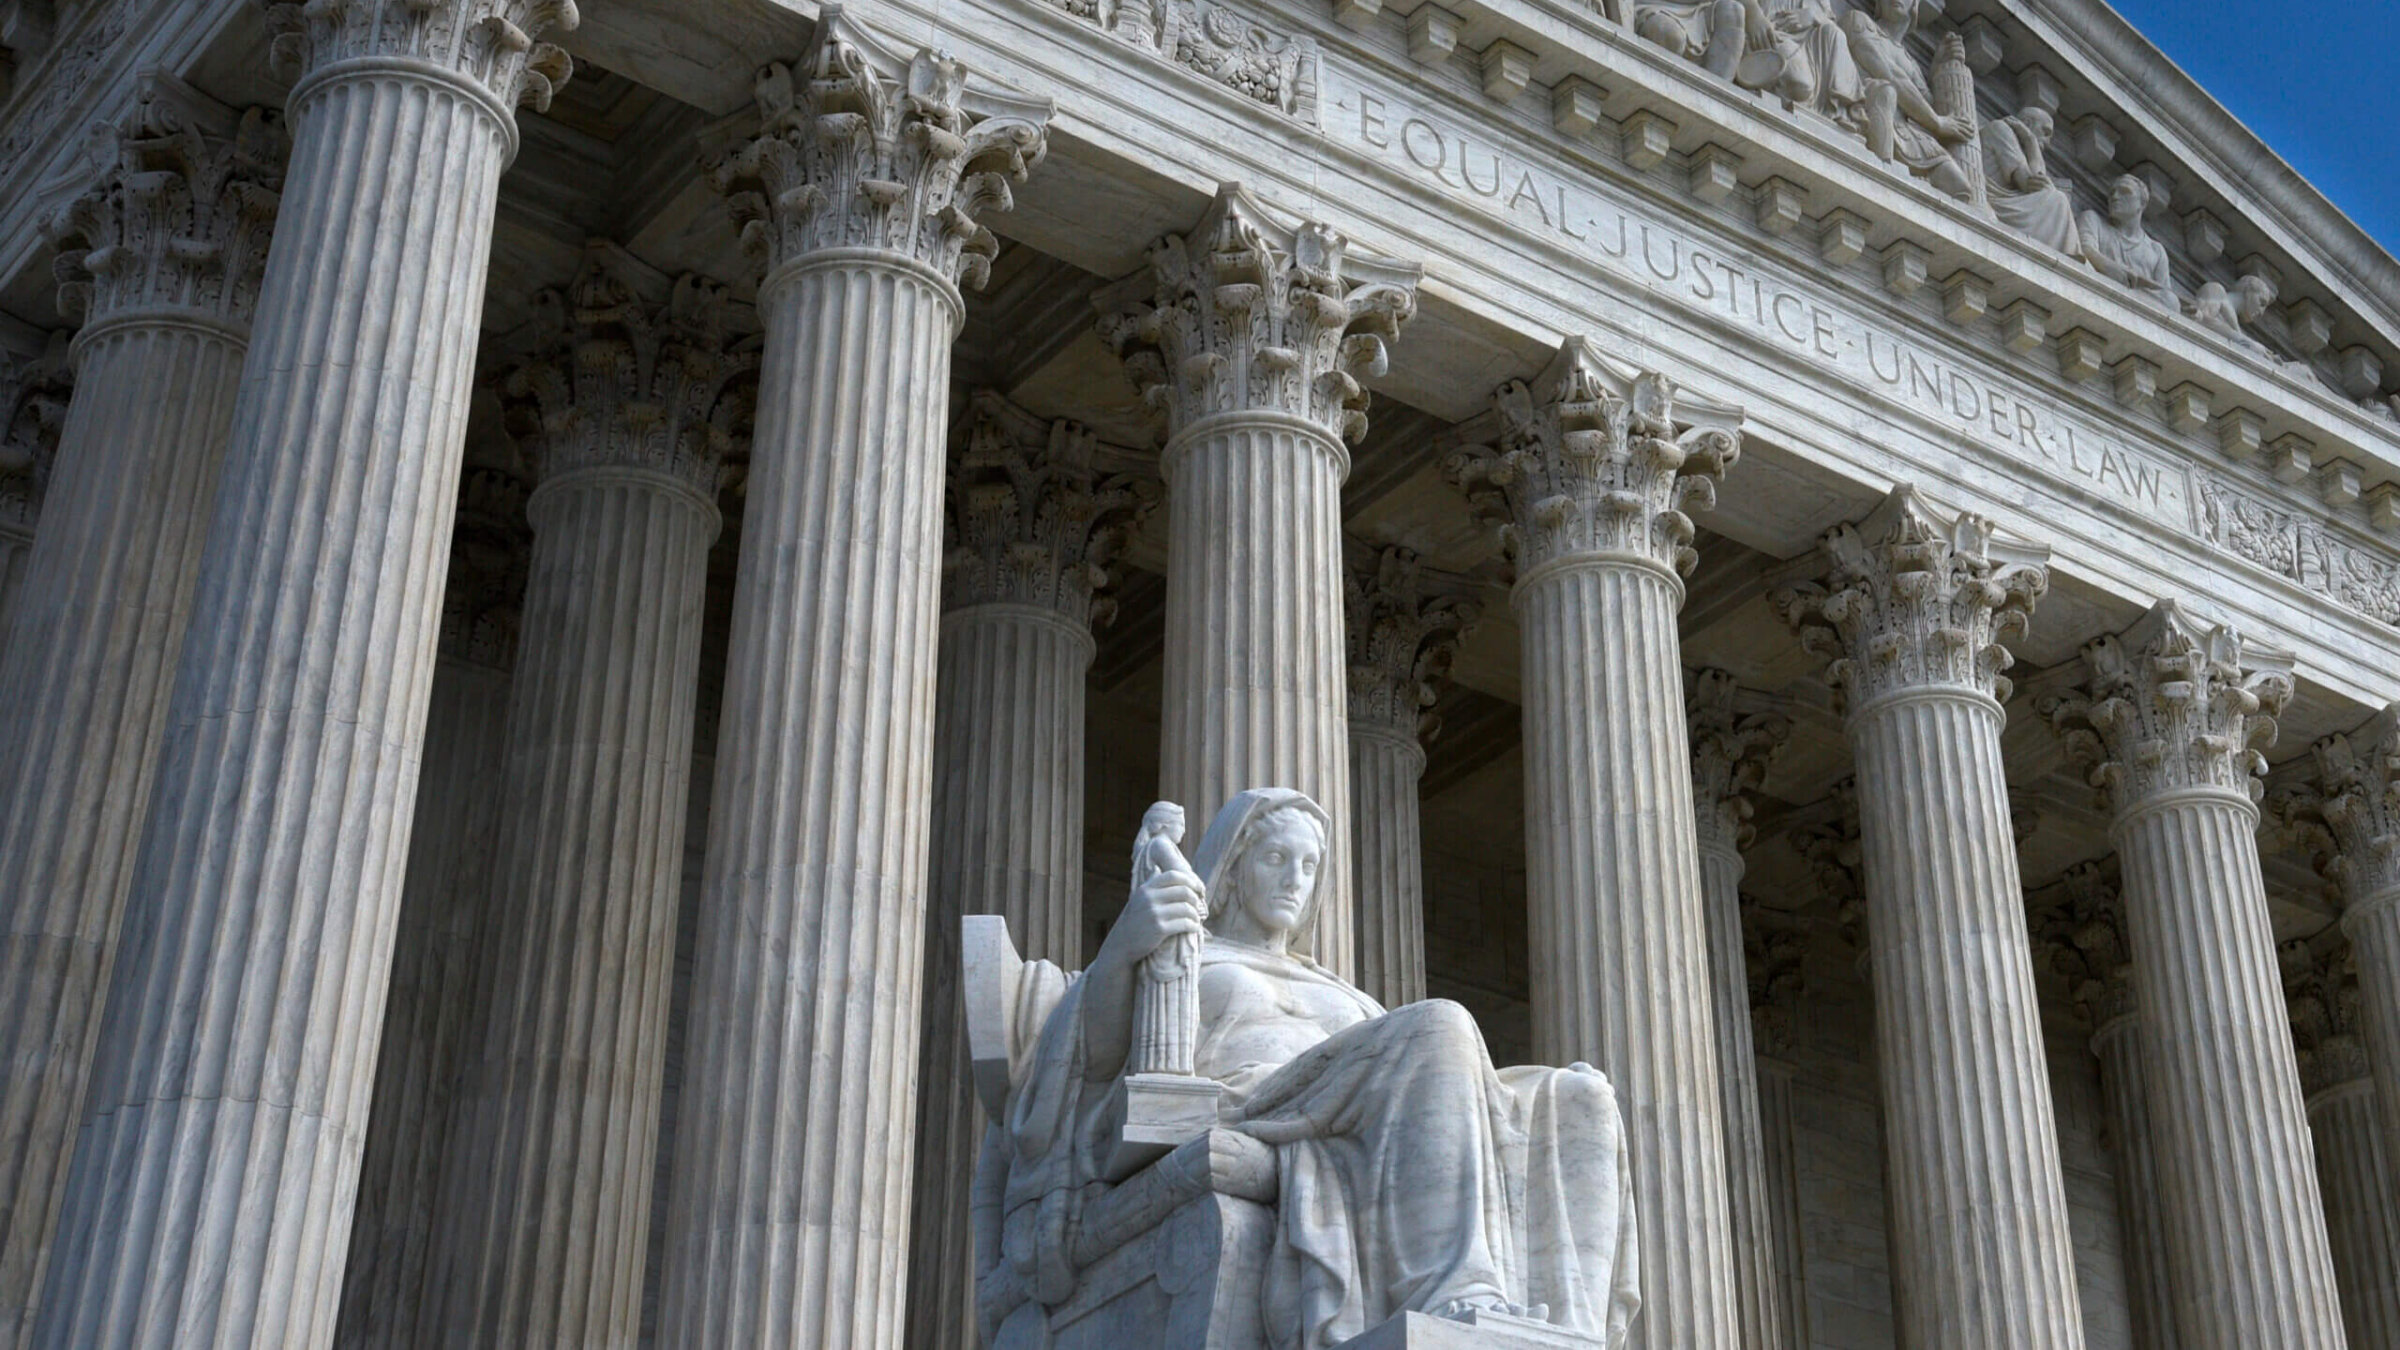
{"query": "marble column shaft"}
(1261, 400)
(210, 1196)
(1779, 1170)
(2141, 1207)
(2169, 718)
(1914, 614)
(1008, 813)
(88, 655)
(788, 1220)
(2355, 796)
(2362, 1209)
(1619, 934)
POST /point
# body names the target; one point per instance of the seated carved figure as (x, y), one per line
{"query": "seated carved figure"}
(2120, 248)
(1792, 48)
(1904, 120)
(1405, 1173)
(2023, 194)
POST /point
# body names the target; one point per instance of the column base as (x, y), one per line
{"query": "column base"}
(1476, 1331)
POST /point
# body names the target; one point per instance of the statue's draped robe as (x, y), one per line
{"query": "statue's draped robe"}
(2013, 167)
(1410, 1171)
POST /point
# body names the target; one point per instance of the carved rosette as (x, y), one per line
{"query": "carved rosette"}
(1730, 756)
(489, 44)
(2173, 704)
(1777, 948)
(35, 398)
(1403, 638)
(1248, 315)
(2351, 810)
(860, 148)
(616, 381)
(1596, 459)
(2321, 989)
(1916, 601)
(2084, 937)
(1033, 519)
(182, 220)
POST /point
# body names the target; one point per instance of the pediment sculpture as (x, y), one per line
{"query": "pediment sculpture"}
(1207, 1140)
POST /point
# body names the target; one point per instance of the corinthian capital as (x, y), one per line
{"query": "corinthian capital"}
(1776, 947)
(1246, 314)
(1832, 852)
(34, 393)
(859, 147)
(1403, 638)
(1035, 515)
(1730, 756)
(2320, 988)
(2171, 704)
(181, 221)
(2351, 808)
(1914, 599)
(488, 44)
(618, 381)
(2083, 935)
(1597, 459)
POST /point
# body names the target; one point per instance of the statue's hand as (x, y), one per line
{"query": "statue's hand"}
(1165, 906)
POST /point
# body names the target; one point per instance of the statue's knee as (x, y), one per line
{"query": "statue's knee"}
(1442, 1020)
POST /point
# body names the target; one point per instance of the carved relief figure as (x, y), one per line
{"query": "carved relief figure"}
(1793, 48)
(1907, 120)
(2228, 312)
(1409, 1174)
(1817, 70)
(2017, 179)
(2121, 249)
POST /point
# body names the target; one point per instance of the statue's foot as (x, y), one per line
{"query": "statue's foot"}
(1464, 1309)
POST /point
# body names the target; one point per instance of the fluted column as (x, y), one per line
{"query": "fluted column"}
(1776, 947)
(1032, 519)
(1592, 475)
(1402, 639)
(1730, 755)
(793, 1154)
(34, 393)
(1913, 613)
(2362, 1190)
(2084, 937)
(1251, 336)
(545, 1208)
(442, 937)
(2169, 718)
(161, 260)
(211, 1192)
(2356, 796)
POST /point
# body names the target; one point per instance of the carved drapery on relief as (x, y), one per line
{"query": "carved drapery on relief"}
(34, 396)
(616, 381)
(2084, 938)
(2173, 703)
(1598, 459)
(1403, 638)
(2320, 987)
(182, 220)
(1916, 600)
(1776, 945)
(1034, 516)
(1731, 753)
(859, 147)
(491, 44)
(1246, 315)
(2298, 547)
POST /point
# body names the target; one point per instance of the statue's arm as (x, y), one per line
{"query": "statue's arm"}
(1165, 906)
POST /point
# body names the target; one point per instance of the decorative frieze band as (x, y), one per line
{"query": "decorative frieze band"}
(1213, 40)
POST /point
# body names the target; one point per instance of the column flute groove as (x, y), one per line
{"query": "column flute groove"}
(789, 1214)
(211, 1191)
(1595, 467)
(1913, 614)
(2169, 720)
(2362, 1188)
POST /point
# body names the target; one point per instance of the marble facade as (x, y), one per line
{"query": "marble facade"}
(1837, 561)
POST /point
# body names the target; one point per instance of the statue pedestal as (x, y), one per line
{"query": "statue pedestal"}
(1157, 1113)
(1481, 1331)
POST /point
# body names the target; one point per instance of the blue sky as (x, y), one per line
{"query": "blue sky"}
(2318, 83)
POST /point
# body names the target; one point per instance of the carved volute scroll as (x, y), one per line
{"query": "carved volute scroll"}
(1035, 518)
(617, 381)
(1597, 459)
(33, 397)
(491, 44)
(859, 147)
(181, 222)
(1403, 637)
(2350, 809)
(2321, 989)
(2173, 704)
(2083, 935)
(1915, 599)
(1731, 753)
(1248, 315)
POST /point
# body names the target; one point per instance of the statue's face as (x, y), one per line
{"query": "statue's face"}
(1277, 874)
(2127, 198)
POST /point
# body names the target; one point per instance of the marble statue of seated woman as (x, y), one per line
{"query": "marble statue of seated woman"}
(1412, 1176)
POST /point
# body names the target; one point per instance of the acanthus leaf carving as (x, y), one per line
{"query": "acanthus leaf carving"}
(1596, 459)
(2083, 936)
(1915, 600)
(2298, 547)
(859, 147)
(1034, 516)
(1403, 637)
(1776, 947)
(2173, 704)
(1731, 753)
(2328, 1016)
(2347, 813)
(182, 220)
(34, 398)
(1246, 314)
(615, 380)
(491, 44)
(1832, 852)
